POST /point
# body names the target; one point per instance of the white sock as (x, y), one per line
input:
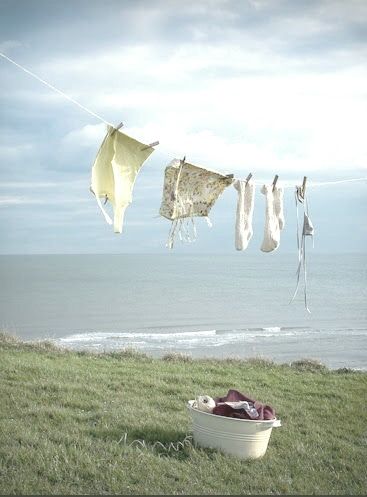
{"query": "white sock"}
(272, 230)
(245, 210)
(278, 206)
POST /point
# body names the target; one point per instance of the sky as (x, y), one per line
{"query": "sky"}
(261, 86)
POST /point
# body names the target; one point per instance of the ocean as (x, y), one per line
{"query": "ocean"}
(220, 306)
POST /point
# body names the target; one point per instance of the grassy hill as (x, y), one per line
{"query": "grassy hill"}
(82, 423)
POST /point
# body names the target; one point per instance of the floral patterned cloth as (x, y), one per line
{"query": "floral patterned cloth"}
(190, 190)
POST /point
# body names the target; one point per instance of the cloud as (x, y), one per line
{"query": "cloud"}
(238, 86)
(331, 143)
(27, 185)
(6, 201)
(8, 45)
(201, 95)
(15, 152)
(87, 136)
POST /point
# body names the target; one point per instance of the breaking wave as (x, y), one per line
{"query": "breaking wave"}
(162, 338)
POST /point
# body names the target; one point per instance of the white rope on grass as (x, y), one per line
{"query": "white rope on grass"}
(55, 89)
(142, 444)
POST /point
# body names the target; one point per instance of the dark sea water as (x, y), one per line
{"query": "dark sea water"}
(204, 305)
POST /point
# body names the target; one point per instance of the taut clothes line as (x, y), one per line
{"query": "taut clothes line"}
(53, 88)
(65, 95)
(285, 184)
(312, 184)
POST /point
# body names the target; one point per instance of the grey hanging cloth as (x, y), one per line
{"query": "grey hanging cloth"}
(307, 230)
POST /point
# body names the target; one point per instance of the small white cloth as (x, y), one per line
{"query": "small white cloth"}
(274, 217)
(244, 213)
(247, 406)
(204, 403)
(307, 230)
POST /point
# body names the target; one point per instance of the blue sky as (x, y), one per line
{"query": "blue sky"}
(262, 86)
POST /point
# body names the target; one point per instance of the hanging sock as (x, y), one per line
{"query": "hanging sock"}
(278, 206)
(274, 217)
(189, 191)
(244, 213)
(307, 230)
(114, 172)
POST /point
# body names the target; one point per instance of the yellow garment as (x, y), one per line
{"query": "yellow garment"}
(114, 171)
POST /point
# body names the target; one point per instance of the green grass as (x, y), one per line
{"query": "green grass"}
(64, 416)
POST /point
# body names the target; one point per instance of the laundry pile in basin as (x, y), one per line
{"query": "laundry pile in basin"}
(234, 405)
(241, 426)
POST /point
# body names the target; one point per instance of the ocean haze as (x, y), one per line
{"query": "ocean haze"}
(203, 305)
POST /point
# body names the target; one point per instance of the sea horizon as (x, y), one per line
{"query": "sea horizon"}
(202, 305)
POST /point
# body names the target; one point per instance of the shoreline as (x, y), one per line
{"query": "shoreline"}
(333, 349)
(302, 363)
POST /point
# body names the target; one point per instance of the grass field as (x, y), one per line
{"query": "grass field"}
(69, 421)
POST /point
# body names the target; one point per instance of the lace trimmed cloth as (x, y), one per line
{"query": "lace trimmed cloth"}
(189, 191)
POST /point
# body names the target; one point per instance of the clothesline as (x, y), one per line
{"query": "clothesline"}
(55, 89)
(285, 184)
(310, 184)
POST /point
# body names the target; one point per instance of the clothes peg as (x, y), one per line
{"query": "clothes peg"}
(248, 178)
(117, 128)
(304, 186)
(154, 144)
(275, 181)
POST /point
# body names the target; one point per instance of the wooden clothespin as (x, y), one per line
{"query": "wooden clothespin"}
(117, 128)
(248, 178)
(154, 144)
(303, 188)
(275, 181)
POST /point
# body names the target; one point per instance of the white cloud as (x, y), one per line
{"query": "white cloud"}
(7, 201)
(15, 152)
(86, 136)
(237, 104)
(7, 45)
(283, 119)
(261, 86)
(35, 185)
(28, 185)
